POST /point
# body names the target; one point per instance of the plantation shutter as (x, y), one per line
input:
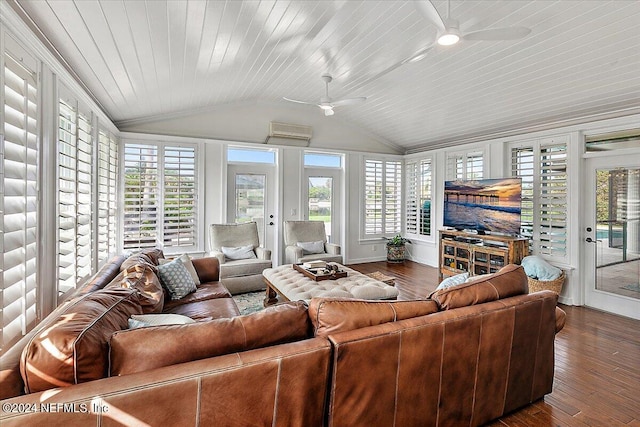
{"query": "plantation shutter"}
(553, 200)
(180, 213)
(141, 216)
(465, 166)
(373, 196)
(107, 194)
(543, 170)
(19, 195)
(522, 166)
(383, 197)
(418, 215)
(75, 193)
(393, 197)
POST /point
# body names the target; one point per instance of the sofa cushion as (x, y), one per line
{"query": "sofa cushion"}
(208, 268)
(73, 347)
(209, 309)
(509, 281)
(186, 260)
(331, 315)
(145, 320)
(149, 256)
(142, 278)
(130, 350)
(176, 279)
(203, 292)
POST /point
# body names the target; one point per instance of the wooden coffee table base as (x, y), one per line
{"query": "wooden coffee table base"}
(272, 294)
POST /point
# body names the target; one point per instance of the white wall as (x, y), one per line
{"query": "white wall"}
(250, 123)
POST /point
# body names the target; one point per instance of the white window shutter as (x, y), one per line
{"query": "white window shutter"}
(373, 196)
(383, 197)
(19, 198)
(180, 198)
(107, 195)
(418, 215)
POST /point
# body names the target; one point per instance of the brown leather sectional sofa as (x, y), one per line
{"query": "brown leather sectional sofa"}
(464, 356)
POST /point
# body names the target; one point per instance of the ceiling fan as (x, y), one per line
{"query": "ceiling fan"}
(449, 29)
(326, 102)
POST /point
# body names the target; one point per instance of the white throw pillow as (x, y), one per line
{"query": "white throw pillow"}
(309, 248)
(144, 320)
(458, 279)
(176, 279)
(242, 252)
(186, 260)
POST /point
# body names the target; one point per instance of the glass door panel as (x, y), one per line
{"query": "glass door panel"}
(250, 200)
(617, 231)
(321, 201)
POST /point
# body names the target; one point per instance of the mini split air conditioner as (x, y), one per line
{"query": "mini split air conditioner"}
(287, 134)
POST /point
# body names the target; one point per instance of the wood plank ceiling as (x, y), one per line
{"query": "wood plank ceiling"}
(146, 59)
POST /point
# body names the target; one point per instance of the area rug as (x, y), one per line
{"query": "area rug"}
(249, 302)
(633, 287)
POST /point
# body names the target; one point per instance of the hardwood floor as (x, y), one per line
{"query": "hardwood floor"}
(597, 375)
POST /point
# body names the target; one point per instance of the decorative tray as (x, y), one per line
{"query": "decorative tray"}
(319, 274)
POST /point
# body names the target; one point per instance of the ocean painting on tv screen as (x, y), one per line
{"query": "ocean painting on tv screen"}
(485, 205)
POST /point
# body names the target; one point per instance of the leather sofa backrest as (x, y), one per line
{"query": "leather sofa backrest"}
(511, 280)
(73, 347)
(104, 276)
(466, 366)
(331, 315)
(137, 350)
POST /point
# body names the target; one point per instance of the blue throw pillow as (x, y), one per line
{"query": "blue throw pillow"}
(176, 278)
(453, 281)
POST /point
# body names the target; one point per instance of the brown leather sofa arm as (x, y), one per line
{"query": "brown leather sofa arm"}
(561, 318)
(208, 269)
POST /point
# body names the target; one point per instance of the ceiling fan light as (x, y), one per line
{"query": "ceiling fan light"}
(449, 38)
(328, 111)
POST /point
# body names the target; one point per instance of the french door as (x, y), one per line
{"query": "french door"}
(611, 235)
(251, 196)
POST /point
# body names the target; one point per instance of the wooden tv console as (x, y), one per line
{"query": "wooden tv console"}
(478, 253)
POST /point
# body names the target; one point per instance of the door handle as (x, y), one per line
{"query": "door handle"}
(590, 240)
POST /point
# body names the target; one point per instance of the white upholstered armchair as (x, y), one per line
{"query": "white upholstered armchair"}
(307, 241)
(242, 260)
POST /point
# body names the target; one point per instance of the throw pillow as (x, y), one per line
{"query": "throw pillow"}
(453, 281)
(186, 260)
(144, 320)
(241, 252)
(309, 248)
(176, 279)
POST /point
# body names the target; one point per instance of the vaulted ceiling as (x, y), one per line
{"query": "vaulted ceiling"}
(149, 59)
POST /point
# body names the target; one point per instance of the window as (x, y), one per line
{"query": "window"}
(19, 195)
(160, 196)
(323, 160)
(250, 155)
(418, 174)
(75, 194)
(382, 188)
(107, 195)
(465, 166)
(542, 165)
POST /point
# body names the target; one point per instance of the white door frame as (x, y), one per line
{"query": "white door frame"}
(595, 298)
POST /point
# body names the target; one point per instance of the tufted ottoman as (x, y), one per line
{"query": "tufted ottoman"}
(293, 286)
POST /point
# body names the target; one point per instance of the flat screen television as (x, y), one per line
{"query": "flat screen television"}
(484, 205)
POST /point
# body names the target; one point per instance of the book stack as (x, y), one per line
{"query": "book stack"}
(314, 264)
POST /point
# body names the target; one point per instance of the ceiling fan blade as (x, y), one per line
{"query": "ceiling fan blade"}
(431, 13)
(508, 33)
(298, 102)
(348, 101)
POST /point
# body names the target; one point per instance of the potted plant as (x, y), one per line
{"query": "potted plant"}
(396, 250)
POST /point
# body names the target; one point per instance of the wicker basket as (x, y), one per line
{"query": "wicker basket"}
(550, 285)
